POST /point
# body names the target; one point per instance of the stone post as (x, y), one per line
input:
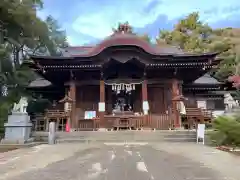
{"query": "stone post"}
(52, 133)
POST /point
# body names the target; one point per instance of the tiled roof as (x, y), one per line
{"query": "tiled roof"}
(121, 40)
(40, 82)
(206, 79)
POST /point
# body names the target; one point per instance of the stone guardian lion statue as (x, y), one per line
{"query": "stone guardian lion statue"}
(21, 106)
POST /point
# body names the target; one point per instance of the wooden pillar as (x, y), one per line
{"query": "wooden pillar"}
(144, 100)
(109, 100)
(102, 102)
(72, 94)
(144, 91)
(47, 125)
(175, 93)
(57, 124)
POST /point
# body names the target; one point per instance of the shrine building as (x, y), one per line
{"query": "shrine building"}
(125, 82)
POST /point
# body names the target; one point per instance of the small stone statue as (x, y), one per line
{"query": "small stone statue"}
(230, 103)
(237, 103)
(21, 106)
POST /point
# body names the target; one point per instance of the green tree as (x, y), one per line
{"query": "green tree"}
(23, 33)
(57, 36)
(192, 35)
(227, 131)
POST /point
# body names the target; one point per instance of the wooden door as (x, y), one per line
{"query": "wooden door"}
(156, 100)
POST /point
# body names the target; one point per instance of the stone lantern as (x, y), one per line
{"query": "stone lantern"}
(67, 103)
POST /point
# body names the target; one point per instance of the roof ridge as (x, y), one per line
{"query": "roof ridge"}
(73, 47)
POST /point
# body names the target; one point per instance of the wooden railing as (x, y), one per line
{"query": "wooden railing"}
(201, 114)
(207, 114)
(152, 121)
(56, 114)
(162, 121)
(132, 122)
(197, 115)
(88, 125)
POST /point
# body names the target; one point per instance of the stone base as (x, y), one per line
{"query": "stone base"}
(146, 129)
(19, 141)
(17, 129)
(73, 129)
(102, 129)
(179, 128)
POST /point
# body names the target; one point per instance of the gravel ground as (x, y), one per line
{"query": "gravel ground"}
(169, 161)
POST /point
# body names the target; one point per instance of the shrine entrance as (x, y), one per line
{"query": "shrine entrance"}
(123, 97)
(123, 104)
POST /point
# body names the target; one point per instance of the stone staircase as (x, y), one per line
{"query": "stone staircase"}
(121, 136)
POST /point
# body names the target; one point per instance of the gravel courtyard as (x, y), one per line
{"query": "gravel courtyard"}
(119, 161)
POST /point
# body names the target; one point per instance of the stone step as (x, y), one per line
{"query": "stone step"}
(121, 136)
(153, 136)
(72, 140)
(119, 133)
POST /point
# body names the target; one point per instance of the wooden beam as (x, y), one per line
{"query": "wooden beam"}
(72, 95)
(175, 93)
(156, 81)
(102, 100)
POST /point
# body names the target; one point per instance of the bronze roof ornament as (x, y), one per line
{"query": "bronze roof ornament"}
(123, 28)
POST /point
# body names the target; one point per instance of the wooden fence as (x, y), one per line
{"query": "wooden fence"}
(162, 122)
(153, 121)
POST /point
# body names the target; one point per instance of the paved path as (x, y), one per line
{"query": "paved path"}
(170, 161)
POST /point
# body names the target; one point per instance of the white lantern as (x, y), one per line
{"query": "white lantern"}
(67, 107)
(101, 106)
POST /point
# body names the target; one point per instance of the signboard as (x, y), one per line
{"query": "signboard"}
(200, 132)
(89, 114)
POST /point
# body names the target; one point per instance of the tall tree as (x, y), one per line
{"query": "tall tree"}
(192, 35)
(57, 36)
(23, 33)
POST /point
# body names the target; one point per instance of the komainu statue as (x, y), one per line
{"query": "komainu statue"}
(230, 103)
(21, 106)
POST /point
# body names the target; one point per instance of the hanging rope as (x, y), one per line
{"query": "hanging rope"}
(128, 87)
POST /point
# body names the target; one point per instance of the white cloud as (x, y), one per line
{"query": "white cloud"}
(175, 8)
(71, 41)
(99, 23)
(78, 40)
(99, 20)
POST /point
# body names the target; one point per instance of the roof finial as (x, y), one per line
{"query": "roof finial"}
(123, 28)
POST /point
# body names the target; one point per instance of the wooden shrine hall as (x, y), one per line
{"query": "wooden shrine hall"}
(123, 82)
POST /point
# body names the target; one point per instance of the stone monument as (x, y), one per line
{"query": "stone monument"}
(231, 105)
(18, 127)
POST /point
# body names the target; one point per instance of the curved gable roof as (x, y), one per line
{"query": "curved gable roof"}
(122, 39)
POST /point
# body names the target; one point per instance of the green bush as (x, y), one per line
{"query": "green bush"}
(226, 131)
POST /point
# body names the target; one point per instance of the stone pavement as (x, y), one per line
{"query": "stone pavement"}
(119, 161)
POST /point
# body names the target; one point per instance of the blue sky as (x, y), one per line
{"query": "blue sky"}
(88, 21)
